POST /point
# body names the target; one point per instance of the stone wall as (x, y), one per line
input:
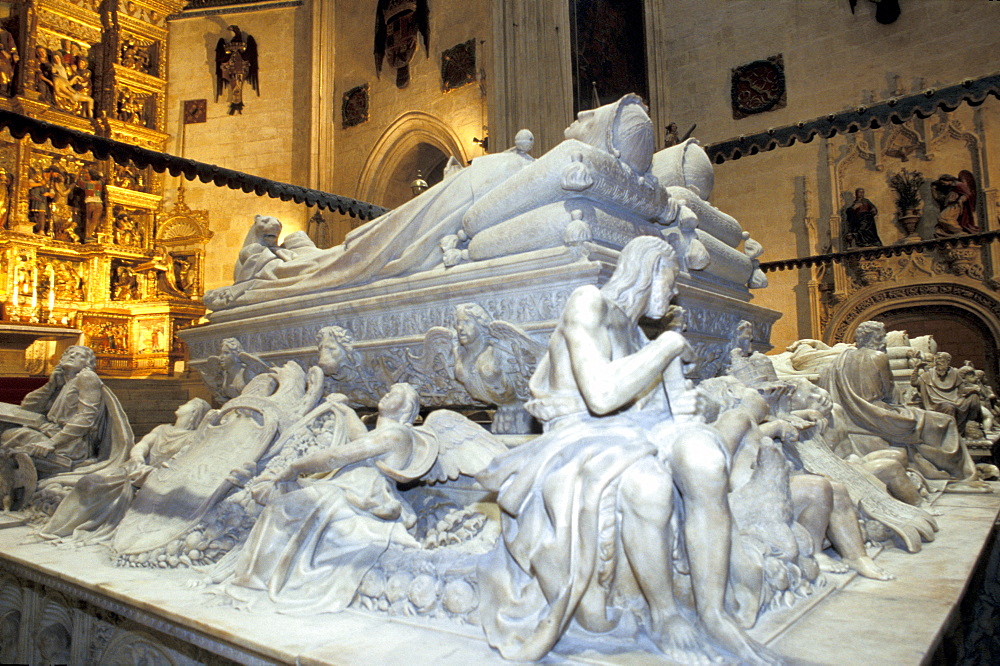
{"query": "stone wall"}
(270, 138)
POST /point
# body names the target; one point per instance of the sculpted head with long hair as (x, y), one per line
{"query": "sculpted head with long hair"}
(644, 280)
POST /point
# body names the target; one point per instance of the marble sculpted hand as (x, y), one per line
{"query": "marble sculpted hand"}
(614, 449)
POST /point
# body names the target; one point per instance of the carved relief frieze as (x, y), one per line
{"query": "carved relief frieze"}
(913, 293)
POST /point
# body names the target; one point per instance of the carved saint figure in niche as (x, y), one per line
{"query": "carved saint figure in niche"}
(614, 407)
(93, 509)
(126, 230)
(9, 57)
(956, 197)
(236, 65)
(860, 222)
(64, 78)
(125, 286)
(43, 73)
(134, 56)
(39, 201)
(92, 184)
(131, 107)
(77, 417)
(398, 23)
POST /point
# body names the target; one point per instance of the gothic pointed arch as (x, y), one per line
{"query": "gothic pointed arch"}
(414, 137)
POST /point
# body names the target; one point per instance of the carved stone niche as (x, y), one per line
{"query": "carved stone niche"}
(183, 233)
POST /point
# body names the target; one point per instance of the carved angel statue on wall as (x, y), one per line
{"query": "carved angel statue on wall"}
(235, 65)
(492, 359)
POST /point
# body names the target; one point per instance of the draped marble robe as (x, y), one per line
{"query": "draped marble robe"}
(860, 381)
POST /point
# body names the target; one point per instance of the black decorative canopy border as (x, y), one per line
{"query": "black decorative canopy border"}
(884, 251)
(123, 153)
(870, 116)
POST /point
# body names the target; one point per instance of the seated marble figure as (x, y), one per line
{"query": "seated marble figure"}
(500, 204)
(587, 506)
(823, 429)
(860, 382)
(95, 506)
(72, 420)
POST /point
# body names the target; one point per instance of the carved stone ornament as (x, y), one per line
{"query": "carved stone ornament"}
(354, 109)
(458, 65)
(398, 26)
(758, 86)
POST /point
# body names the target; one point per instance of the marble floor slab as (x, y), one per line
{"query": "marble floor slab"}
(855, 621)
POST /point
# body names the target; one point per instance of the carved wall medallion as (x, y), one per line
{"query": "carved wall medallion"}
(354, 109)
(758, 86)
(458, 65)
(195, 111)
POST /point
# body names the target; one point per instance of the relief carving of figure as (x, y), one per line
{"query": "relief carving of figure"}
(492, 359)
(586, 507)
(228, 374)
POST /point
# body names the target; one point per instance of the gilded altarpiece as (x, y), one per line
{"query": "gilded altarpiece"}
(87, 242)
(877, 162)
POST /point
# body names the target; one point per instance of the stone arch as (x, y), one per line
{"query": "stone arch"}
(411, 132)
(962, 305)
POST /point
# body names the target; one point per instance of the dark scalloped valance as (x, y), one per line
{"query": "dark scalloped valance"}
(123, 153)
(884, 251)
(895, 110)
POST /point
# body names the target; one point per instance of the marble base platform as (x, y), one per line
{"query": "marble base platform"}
(119, 615)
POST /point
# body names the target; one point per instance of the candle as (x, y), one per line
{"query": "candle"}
(17, 285)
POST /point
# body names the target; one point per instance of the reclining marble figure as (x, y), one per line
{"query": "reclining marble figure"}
(74, 418)
(859, 380)
(501, 204)
(615, 446)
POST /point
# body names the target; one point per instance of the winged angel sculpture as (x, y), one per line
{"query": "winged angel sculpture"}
(492, 359)
(311, 546)
(235, 65)
(227, 374)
